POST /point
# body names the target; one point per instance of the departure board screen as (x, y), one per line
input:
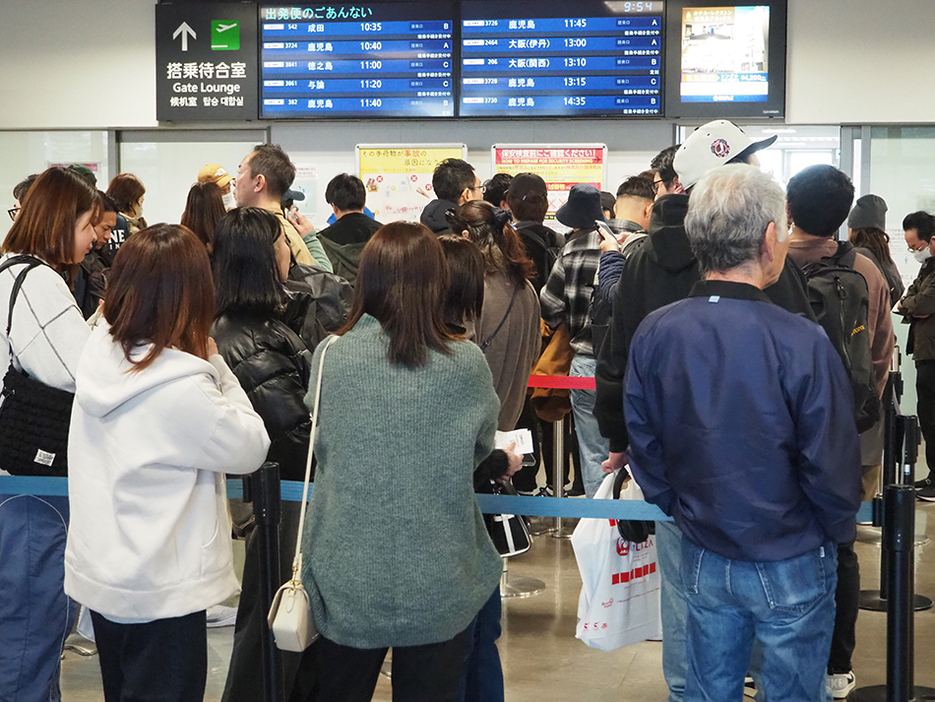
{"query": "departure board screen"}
(525, 58)
(364, 60)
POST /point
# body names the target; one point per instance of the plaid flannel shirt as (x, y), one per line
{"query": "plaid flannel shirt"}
(566, 296)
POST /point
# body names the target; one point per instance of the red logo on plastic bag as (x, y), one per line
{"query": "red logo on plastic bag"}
(720, 148)
(623, 547)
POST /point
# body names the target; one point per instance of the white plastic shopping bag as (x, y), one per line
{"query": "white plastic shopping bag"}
(619, 603)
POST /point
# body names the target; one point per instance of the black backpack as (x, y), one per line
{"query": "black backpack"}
(841, 302)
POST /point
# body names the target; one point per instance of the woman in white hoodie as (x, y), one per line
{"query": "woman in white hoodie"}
(158, 420)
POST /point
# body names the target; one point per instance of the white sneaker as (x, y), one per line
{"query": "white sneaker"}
(841, 684)
(219, 615)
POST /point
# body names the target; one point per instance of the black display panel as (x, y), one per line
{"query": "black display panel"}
(364, 60)
(524, 58)
(725, 61)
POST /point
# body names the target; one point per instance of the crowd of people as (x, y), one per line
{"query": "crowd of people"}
(741, 395)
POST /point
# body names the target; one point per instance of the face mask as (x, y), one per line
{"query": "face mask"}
(922, 256)
(228, 201)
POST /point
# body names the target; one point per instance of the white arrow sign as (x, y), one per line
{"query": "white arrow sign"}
(184, 30)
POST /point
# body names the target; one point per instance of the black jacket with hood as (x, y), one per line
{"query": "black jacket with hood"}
(661, 272)
(433, 216)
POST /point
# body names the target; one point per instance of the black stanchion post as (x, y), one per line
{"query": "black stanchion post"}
(267, 508)
(900, 518)
(875, 600)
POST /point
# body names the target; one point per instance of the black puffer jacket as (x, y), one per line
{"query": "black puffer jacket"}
(273, 366)
(318, 302)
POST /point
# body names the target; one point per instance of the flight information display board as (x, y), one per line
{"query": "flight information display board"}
(382, 59)
(522, 58)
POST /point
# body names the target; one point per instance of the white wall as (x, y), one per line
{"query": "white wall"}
(77, 64)
(860, 61)
(91, 63)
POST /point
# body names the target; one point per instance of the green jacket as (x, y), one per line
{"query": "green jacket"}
(918, 309)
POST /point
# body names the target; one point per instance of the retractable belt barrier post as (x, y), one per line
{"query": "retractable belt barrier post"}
(875, 600)
(264, 488)
(560, 382)
(899, 538)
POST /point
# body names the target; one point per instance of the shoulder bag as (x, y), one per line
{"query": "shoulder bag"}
(290, 615)
(34, 417)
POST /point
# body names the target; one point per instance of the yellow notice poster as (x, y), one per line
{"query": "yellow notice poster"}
(560, 166)
(398, 178)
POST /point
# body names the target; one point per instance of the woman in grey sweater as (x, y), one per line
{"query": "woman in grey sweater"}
(395, 549)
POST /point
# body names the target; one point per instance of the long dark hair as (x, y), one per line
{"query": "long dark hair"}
(52, 206)
(203, 210)
(403, 281)
(465, 297)
(876, 240)
(160, 293)
(246, 275)
(489, 227)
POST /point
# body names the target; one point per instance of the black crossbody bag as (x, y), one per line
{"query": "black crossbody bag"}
(34, 417)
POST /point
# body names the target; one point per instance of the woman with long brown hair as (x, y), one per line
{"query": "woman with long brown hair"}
(158, 420)
(52, 233)
(395, 551)
(508, 328)
(203, 210)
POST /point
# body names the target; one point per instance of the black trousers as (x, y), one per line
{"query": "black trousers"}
(165, 660)
(847, 604)
(430, 673)
(925, 389)
(543, 438)
(245, 672)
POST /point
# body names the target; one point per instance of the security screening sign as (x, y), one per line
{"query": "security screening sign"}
(206, 62)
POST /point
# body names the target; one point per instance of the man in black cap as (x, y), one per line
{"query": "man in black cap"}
(566, 299)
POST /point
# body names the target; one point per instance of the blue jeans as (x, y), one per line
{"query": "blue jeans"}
(593, 448)
(482, 680)
(674, 608)
(787, 605)
(35, 613)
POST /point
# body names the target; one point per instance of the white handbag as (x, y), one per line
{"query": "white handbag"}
(290, 615)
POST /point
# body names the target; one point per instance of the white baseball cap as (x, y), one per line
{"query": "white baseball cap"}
(712, 145)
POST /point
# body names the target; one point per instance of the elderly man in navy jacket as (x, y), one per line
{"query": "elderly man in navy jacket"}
(741, 428)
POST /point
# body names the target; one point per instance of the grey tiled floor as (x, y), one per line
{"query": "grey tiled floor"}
(543, 661)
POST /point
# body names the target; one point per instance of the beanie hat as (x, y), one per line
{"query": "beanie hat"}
(869, 213)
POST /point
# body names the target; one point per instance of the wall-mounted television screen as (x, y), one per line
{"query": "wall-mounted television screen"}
(379, 59)
(522, 58)
(725, 61)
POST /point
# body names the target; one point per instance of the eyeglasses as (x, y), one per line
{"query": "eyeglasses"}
(12, 212)
(656, 184)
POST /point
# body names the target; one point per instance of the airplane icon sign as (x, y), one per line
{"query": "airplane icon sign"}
(225, 35)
